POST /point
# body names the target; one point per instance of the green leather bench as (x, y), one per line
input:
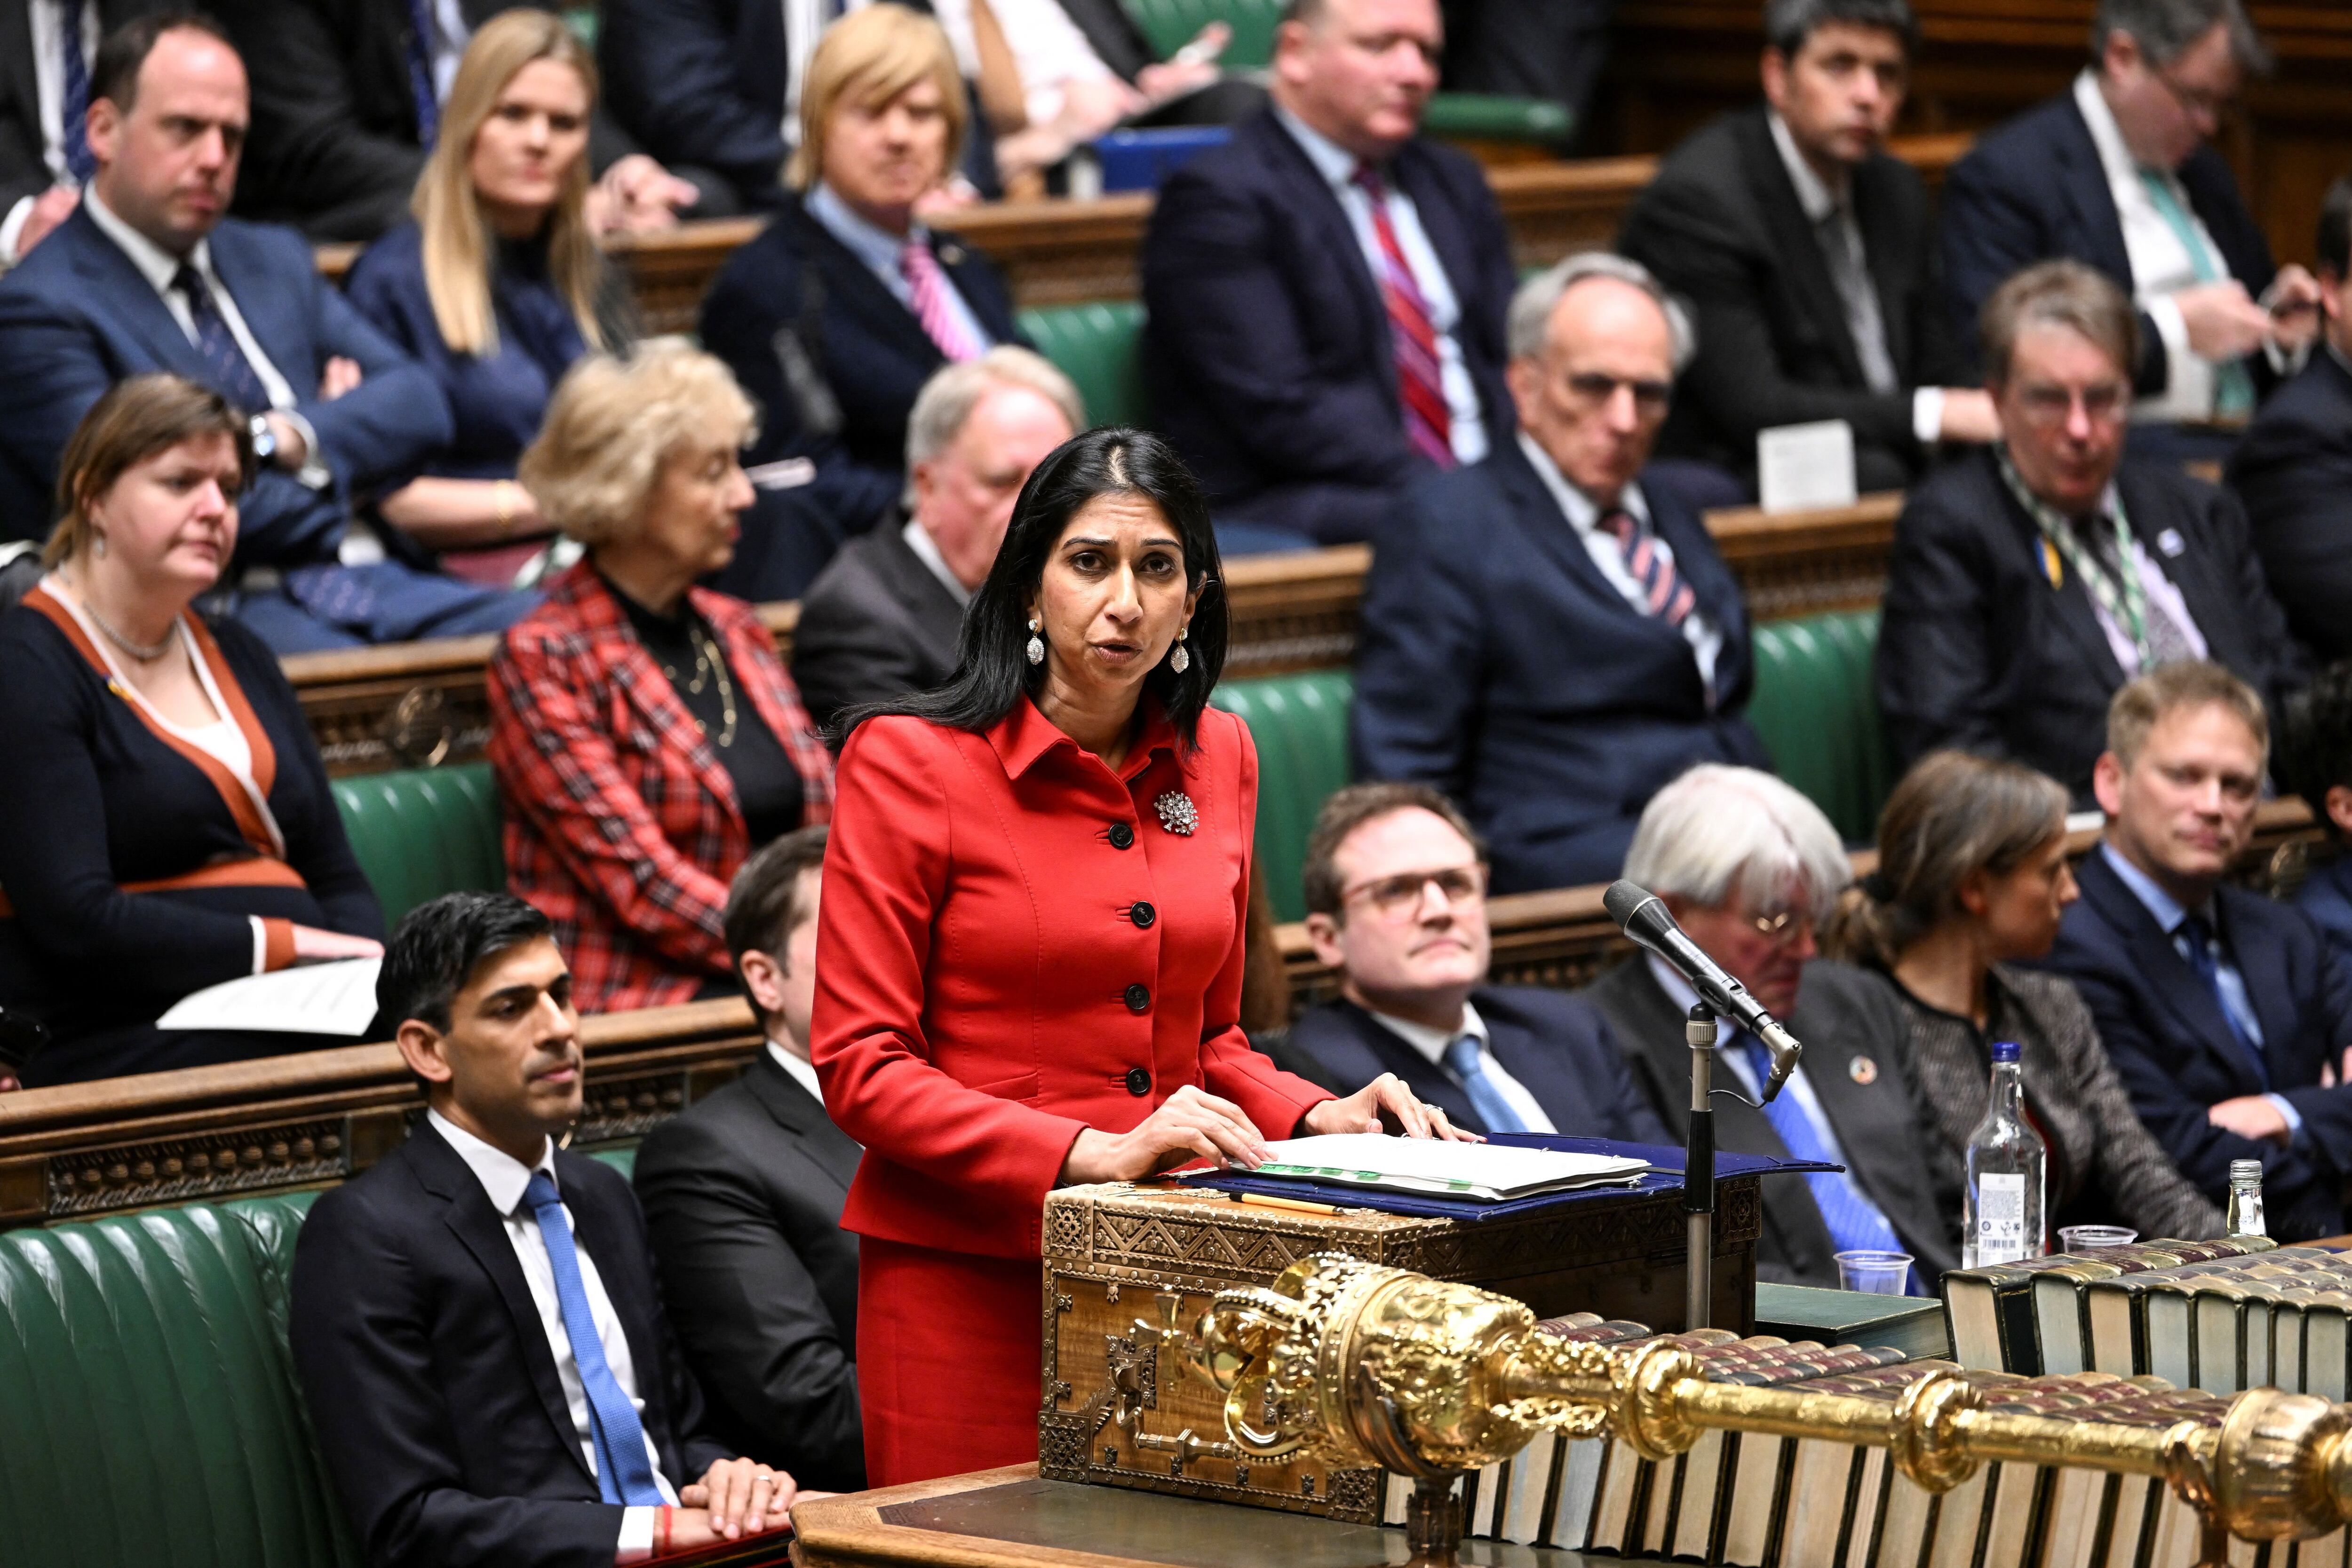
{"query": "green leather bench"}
(422, 832)
(1300, 725)
(1096, 346)
(152, 1414)
(1818, 715)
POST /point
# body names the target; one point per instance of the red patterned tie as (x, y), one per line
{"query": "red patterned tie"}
(1665, 593)
(927, 287)
(1428, 422)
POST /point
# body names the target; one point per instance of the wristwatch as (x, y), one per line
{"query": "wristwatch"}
(265, 439)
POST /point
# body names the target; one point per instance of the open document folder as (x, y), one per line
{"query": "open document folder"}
(336, 998)
(1488, 1173)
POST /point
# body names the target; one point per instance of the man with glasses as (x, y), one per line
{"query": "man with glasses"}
(2030, 581)
(1396, 903)
(1549, 635)
(1749, 867)
(2118, 174)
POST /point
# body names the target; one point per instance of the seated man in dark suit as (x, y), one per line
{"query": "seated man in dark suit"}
(1326, 291)
(2316, 762)
(1396, 902)
(474, 1319)
(882, 617)
(1803, 247)
(147, 275)
(2293, 468)
(1749, 867)
(2031, 580)
(2117, 173)
(742, 1196)
(44, 112)
(1549, 635)
(347, 100)
(2226, 1014)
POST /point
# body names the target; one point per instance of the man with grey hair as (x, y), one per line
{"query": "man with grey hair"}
(2030, 581)
(1805, 246)
(1549, 635)
(1749, 867)
(2117, 173)
(882, 617)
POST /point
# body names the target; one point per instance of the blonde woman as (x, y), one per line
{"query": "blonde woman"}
(836, 316)
(495, 284)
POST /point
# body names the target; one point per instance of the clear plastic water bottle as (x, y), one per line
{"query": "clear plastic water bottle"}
(2246, 1198)
(2001, 1222)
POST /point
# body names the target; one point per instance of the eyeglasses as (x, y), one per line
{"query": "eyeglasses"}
(2206, 108)
(1395, 894)
(1592, 389)
(2049, 407)
(1781, 927)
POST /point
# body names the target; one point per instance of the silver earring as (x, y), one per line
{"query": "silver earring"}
(1180, 661)
(1036, 649)
(98, 544)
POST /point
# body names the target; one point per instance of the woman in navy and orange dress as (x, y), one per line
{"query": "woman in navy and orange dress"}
(1030, 945)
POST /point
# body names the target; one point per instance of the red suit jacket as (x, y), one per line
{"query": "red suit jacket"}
(621, 824)
(1012, 947)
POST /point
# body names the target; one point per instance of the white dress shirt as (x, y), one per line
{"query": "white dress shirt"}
(1432, 1043)
(1703, 635)
(927, 550)
(450, 37)
(797, 1068)
(49, 20)
(1338, 166)
(1049, 52)
(880, 250)
(504, 1177)
(1818, 201)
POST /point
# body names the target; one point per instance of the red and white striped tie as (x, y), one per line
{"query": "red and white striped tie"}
(1421, 388)
(1665, 593)
(927, 287)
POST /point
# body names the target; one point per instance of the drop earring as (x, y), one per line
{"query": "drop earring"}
(1036, 648)
(1179, 661)
(98, 544)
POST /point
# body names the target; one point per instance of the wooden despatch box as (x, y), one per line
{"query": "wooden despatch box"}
(1116, 1253)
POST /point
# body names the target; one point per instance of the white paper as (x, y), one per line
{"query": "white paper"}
(1427, 1164)
(1802, 468)
(338, 998)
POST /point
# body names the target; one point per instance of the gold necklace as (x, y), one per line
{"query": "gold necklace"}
(709, 663)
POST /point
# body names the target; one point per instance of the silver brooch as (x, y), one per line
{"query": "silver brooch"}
(1176, 813)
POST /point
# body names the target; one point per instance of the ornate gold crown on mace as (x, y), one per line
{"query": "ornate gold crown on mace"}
(1355, 1364)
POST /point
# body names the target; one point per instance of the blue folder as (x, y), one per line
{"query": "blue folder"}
(1665, 1175)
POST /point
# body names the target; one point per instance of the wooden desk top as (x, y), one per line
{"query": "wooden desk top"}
(1010, 1518)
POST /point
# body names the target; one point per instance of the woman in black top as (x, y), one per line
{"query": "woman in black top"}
(1972, 877)
(168, 821)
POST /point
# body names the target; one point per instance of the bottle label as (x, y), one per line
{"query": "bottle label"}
(2000, 1219)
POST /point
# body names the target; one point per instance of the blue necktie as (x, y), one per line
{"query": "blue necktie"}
(420, 72)
(1852, 1219)
(625, 1472)
(231, 373)
(2199, 944)
(75, 110)
(1467, 1058)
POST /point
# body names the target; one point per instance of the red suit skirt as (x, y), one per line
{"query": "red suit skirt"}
(950, 1358)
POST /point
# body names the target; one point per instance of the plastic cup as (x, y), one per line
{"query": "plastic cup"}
(2091, 1237)
(1875, 1273)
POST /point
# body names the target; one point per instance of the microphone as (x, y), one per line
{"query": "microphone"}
(1642, 916)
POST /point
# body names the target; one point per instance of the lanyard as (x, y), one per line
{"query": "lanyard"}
(2125, 601)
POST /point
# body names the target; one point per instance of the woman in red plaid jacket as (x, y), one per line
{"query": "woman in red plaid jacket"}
(644, 733)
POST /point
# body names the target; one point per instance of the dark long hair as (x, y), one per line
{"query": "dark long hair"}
(993, 671)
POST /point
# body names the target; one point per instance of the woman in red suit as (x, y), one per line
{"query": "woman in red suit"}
(1030, 946)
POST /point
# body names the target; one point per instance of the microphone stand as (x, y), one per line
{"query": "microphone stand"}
(1698, 1174)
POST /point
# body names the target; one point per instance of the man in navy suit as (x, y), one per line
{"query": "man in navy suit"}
(474, 1319)
(147, 275)
(2226, 1015)
(2117, 173)
(1549, 635)
(1396, 903)
(1326, 291)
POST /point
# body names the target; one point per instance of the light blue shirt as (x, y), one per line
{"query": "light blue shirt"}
(878, 248)
(1338, 166)
(2230, 980)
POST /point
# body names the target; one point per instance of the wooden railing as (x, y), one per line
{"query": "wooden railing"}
(314, 1119)
(420, 704)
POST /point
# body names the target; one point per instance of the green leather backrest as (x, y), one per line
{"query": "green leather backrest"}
(424, 832)
(152, 1416)
(1818, 715)
(1169, 25)
(1300, 725)
(1095, 346)
(1494, 117)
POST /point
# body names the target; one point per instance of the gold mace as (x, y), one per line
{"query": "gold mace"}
(1355, 1364)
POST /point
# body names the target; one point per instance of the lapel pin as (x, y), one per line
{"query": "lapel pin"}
(1863, 1070)
(1176, 813)
(2170, 542)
